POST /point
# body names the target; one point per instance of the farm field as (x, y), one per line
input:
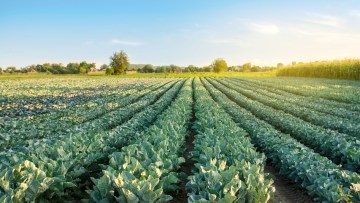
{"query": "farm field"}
(191, 139)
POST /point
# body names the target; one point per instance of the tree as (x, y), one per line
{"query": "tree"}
(29, 69)
(175, 69)
(246, 67)
(231, 68)
(148, 68)
(109, 71)
(279, 65)
(219, 65)
(104, 67)
(46, 67)
(73, 67)
(255, 69)
(86, 67)
(205, 69)
(119, 62)
(10, 69)
(57, 68)
(161, 69)
(190, 68)
(83, 70)
(1, 70)
(40, 68)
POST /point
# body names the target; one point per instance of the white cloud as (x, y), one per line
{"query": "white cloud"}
(325, 20)
(264, 28)
(125, 42)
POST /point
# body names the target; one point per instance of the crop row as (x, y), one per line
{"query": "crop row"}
(340, 148)
(23, 99)
(68, 162)
(341, 90)
(75, 115)
(145, 171)
(323, 179)
(34, 106)
(327, 121)
(299, 100)
(11, 157)
(353, 108)
(228, 168)
(339, 97)
(55, 129)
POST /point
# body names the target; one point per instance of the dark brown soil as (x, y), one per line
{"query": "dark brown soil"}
(286, 191)
(181, 196)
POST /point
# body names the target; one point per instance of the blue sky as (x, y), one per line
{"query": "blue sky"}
(184, 32)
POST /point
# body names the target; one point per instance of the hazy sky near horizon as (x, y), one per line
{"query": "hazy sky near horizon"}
(161, 32)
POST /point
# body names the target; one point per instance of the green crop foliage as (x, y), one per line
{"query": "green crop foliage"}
(338, 69)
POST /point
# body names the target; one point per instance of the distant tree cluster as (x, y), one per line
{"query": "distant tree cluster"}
(218, 65)
(120, 64)
(194, 69)
(248, 67)
(148, 68)
(54, 68)
(135, 67)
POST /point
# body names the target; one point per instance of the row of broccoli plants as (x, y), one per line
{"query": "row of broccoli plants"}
(107, 96)
(228, 168)
(68, 163)
(324, 180)
(32, 98)
(299, 100)
(105, 121)
(36, 106)
(22, 103)
(81, 113)
(29, 101)
(310, 94)
(145, 171)
(28, 97)
(322, 119)
(336, 108)
(341, 91)
(11, 157)
(341, 148)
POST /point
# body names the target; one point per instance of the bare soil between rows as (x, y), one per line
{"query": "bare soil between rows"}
(286, 191)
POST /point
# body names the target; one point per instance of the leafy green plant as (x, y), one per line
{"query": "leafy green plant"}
(228, 168)
(317, 174)
(27, 183)
(144, 171)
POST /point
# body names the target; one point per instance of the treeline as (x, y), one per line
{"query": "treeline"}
(337, 69)
(54, 68)
(148, 68)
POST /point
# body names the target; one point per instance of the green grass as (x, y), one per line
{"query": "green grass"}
(135, 75)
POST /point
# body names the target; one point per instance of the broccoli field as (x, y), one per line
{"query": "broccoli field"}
(200, 139)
